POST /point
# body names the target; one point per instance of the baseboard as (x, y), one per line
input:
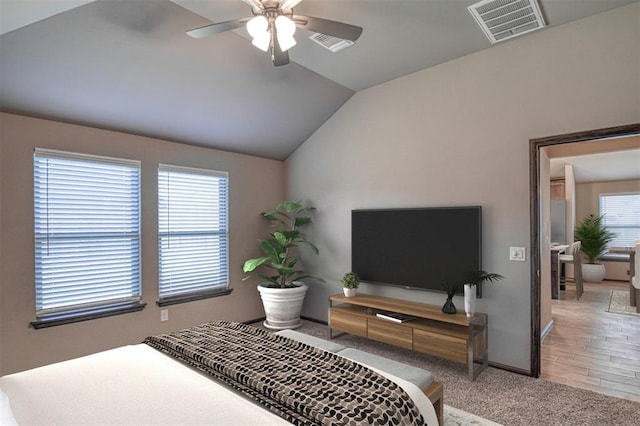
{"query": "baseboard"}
(546, 331)
(314, 320)
(510, 369)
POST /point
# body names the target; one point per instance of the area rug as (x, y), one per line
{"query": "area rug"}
(455, 417)
(619, 303)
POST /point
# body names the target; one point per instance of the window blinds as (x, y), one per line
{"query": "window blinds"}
(622, 217)
(87, 231)
(192, 231)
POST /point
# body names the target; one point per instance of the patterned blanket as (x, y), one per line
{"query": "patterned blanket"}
(300, 383)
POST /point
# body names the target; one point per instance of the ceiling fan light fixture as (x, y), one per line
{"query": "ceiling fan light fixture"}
(285, 29)
(257, 28)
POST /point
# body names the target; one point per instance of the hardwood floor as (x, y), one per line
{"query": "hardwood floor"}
(590, 348)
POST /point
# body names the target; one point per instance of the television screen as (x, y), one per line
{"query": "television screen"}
(416, 248)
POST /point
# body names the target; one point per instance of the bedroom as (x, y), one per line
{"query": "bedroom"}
(491, 103)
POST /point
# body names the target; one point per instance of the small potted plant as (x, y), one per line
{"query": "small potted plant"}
(350, 283)
(451, 288)
(474, 279)
(594, 238)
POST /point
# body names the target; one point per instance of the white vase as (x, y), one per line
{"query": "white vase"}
(282, 306)
(349, 292)
(469, 299)
(593, 273)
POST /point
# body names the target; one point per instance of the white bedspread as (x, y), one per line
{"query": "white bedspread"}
(136, 385)
(130, 385)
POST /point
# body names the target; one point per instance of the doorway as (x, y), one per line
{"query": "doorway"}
(589, 140)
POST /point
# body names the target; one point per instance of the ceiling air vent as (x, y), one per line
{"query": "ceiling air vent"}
(504, 19)
(334, 44)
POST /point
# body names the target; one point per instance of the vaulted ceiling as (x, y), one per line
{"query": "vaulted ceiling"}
(127, 65)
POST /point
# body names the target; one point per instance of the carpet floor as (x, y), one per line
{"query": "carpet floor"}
(501, 396)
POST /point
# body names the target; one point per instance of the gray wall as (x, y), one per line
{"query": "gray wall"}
(458, 134)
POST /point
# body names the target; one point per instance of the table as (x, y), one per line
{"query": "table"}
(556, 251)
(631, 251)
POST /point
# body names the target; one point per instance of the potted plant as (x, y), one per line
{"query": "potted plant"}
(474, 279)
(350, 283)
(451, 288)
(282, 290)
(594, 238)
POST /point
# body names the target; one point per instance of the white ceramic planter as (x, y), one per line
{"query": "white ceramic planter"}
(593, 273)
(282, 306)
(469, 299)
(349, 292)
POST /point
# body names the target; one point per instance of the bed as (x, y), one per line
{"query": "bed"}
(219, 373)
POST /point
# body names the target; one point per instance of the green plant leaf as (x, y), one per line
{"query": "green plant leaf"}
(313, 247)
(272, 249)
(251, 264)
(300, 221)
(289, 206)
(280, 237)
(593, 237)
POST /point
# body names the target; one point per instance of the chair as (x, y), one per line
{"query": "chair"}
(574, 257)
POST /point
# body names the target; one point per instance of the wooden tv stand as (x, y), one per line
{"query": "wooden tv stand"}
(454, 337)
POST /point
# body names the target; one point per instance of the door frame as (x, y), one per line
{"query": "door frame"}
(534, 200)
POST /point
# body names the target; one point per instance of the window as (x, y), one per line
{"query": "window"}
(87, 236)
(192, 234)
(622, 217)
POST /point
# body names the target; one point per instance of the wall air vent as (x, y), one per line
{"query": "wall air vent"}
(334, 44)
(504, 19)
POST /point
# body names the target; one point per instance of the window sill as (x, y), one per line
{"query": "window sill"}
(53, 320)
(184, 298)
(615, 257)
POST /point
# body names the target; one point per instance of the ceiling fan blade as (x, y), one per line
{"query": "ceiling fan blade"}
(255, 4)
(289, 4)
(220, 27)
(327, 27)
(277, 55)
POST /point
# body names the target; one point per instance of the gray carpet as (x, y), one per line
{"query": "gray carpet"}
(501, 396)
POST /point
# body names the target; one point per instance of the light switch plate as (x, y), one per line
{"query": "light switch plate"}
(519, 254)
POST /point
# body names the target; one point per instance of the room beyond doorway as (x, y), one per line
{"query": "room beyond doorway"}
(585, 140)
(590, 348)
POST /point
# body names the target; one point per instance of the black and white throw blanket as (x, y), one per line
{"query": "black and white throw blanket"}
(300, 383)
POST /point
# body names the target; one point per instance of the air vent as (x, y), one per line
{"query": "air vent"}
(504, 19)
(334, 44)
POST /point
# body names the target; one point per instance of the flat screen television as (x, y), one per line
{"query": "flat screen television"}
(416, 248)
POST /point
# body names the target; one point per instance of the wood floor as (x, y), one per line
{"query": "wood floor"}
(592, 349)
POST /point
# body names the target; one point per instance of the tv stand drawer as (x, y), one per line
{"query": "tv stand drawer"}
(347, 322)
(441, 345)
(388, 332)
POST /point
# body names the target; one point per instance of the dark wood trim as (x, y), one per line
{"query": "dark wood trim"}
(534, 214)
(54, 320)
(174, 300)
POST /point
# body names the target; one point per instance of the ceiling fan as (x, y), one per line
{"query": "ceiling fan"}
(273, 25)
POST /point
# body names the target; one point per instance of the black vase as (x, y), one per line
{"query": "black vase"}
(449, 307)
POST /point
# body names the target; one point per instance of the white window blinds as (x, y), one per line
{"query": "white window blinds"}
(192, 231)
(622, 217)
(87, 231)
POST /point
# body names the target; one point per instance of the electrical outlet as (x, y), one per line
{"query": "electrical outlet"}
(517, 253)
(164, 315)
